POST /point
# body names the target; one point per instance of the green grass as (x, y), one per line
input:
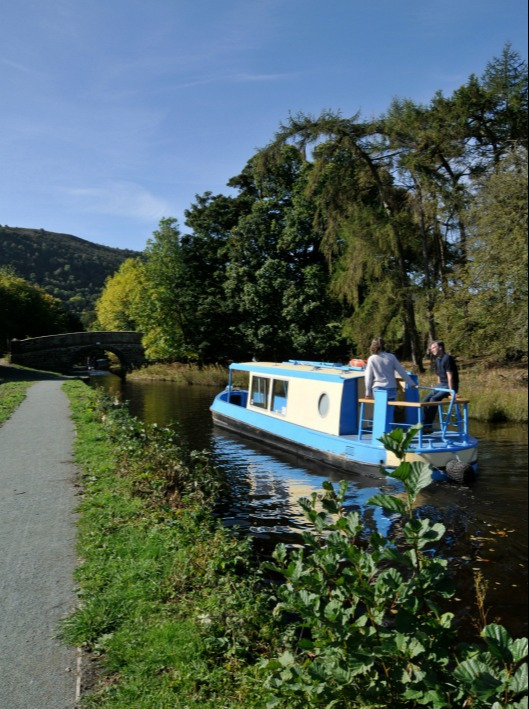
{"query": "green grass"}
(12, 394)
(164, 591)
(496, 394)
(208, 375)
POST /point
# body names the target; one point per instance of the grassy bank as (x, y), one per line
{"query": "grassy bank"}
(168, 598)
(496, 393)
(209, 375)
(12, 394)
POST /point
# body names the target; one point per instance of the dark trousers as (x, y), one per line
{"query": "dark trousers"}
(430, 412)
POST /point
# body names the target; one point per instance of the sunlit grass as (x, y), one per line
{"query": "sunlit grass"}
(12, 394)
(156, 590)
(496, 394)
(209, 375)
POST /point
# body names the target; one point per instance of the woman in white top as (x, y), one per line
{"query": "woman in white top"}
(380, 371)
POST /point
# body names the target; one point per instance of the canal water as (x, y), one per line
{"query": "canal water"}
(486, 522)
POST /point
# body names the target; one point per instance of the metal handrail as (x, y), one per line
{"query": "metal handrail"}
(444, 420)
(448, 416)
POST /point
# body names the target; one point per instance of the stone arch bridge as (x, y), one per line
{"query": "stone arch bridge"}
(59, 353)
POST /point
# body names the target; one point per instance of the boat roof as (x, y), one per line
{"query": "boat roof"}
(327, 371)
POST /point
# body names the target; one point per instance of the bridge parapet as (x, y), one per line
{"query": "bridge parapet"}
(57, 353)
(71, 339)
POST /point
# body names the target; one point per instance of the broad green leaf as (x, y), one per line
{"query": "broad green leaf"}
(446, 620)
(423, 532)
(431, 699)
(477, 675)
(399, 557)
(330, 506)
(359, 663)
(519, 649)
(286, 659)
(420, 477)
(354, 525)
(498, 641)
(391, 578)
(393, 442)
(519, 681)
(388, 502)
(410, 435)
(344, 484)
(403, 472)
(305, 644)
(311, 600)
(280, 553)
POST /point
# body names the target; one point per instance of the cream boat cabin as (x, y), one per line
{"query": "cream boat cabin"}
(319, 410)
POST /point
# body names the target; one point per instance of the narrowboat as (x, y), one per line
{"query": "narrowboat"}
(319, 411)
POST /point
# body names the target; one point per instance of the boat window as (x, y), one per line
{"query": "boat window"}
(323, 405)
(259, 393)
(279, 396)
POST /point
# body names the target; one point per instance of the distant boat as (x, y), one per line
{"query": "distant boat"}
(319, 411)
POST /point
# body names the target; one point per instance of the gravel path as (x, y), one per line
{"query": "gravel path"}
(37, 551)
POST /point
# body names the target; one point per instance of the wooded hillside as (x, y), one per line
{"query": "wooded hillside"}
(71, 269)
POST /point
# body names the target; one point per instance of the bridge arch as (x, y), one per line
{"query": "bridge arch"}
(87, 353)
(58, 353)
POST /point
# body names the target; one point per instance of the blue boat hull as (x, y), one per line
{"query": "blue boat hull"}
(345, 453)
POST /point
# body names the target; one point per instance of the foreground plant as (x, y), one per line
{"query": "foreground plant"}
(368, 628)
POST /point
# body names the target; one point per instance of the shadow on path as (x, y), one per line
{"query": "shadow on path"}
(10, 373)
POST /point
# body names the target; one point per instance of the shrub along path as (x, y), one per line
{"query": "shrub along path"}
(37, 551)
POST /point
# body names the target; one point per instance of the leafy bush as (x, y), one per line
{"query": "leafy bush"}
(163, 469)
(366, 627)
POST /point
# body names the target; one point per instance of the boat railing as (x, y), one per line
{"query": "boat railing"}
(452, 412)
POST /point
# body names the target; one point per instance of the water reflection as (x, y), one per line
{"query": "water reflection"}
(268, 488)
(486, 523)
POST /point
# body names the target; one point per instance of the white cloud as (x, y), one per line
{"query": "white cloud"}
(121, 199)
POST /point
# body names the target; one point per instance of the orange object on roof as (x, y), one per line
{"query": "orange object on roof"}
(357, 363)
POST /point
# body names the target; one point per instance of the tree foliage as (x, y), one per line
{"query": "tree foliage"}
(410, 225)
(276, 277)
(121, 303)
(486, 308)
(28, 311)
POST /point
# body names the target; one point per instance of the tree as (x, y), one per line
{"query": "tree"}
(276, 277)
(205, 259)
(495, 107)
(120, 305)
(164, 318)
(364, 218)
(27, 310)
(485, 312)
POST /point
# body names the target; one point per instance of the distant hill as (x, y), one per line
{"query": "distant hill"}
(72, 269)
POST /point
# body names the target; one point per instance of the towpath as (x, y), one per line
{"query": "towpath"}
(37, 551)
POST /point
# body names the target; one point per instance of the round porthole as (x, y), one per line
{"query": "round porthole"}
(323, 405)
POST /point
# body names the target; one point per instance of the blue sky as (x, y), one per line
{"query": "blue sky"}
(116, 113)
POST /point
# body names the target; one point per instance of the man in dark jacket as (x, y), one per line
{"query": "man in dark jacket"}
(447, 378)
